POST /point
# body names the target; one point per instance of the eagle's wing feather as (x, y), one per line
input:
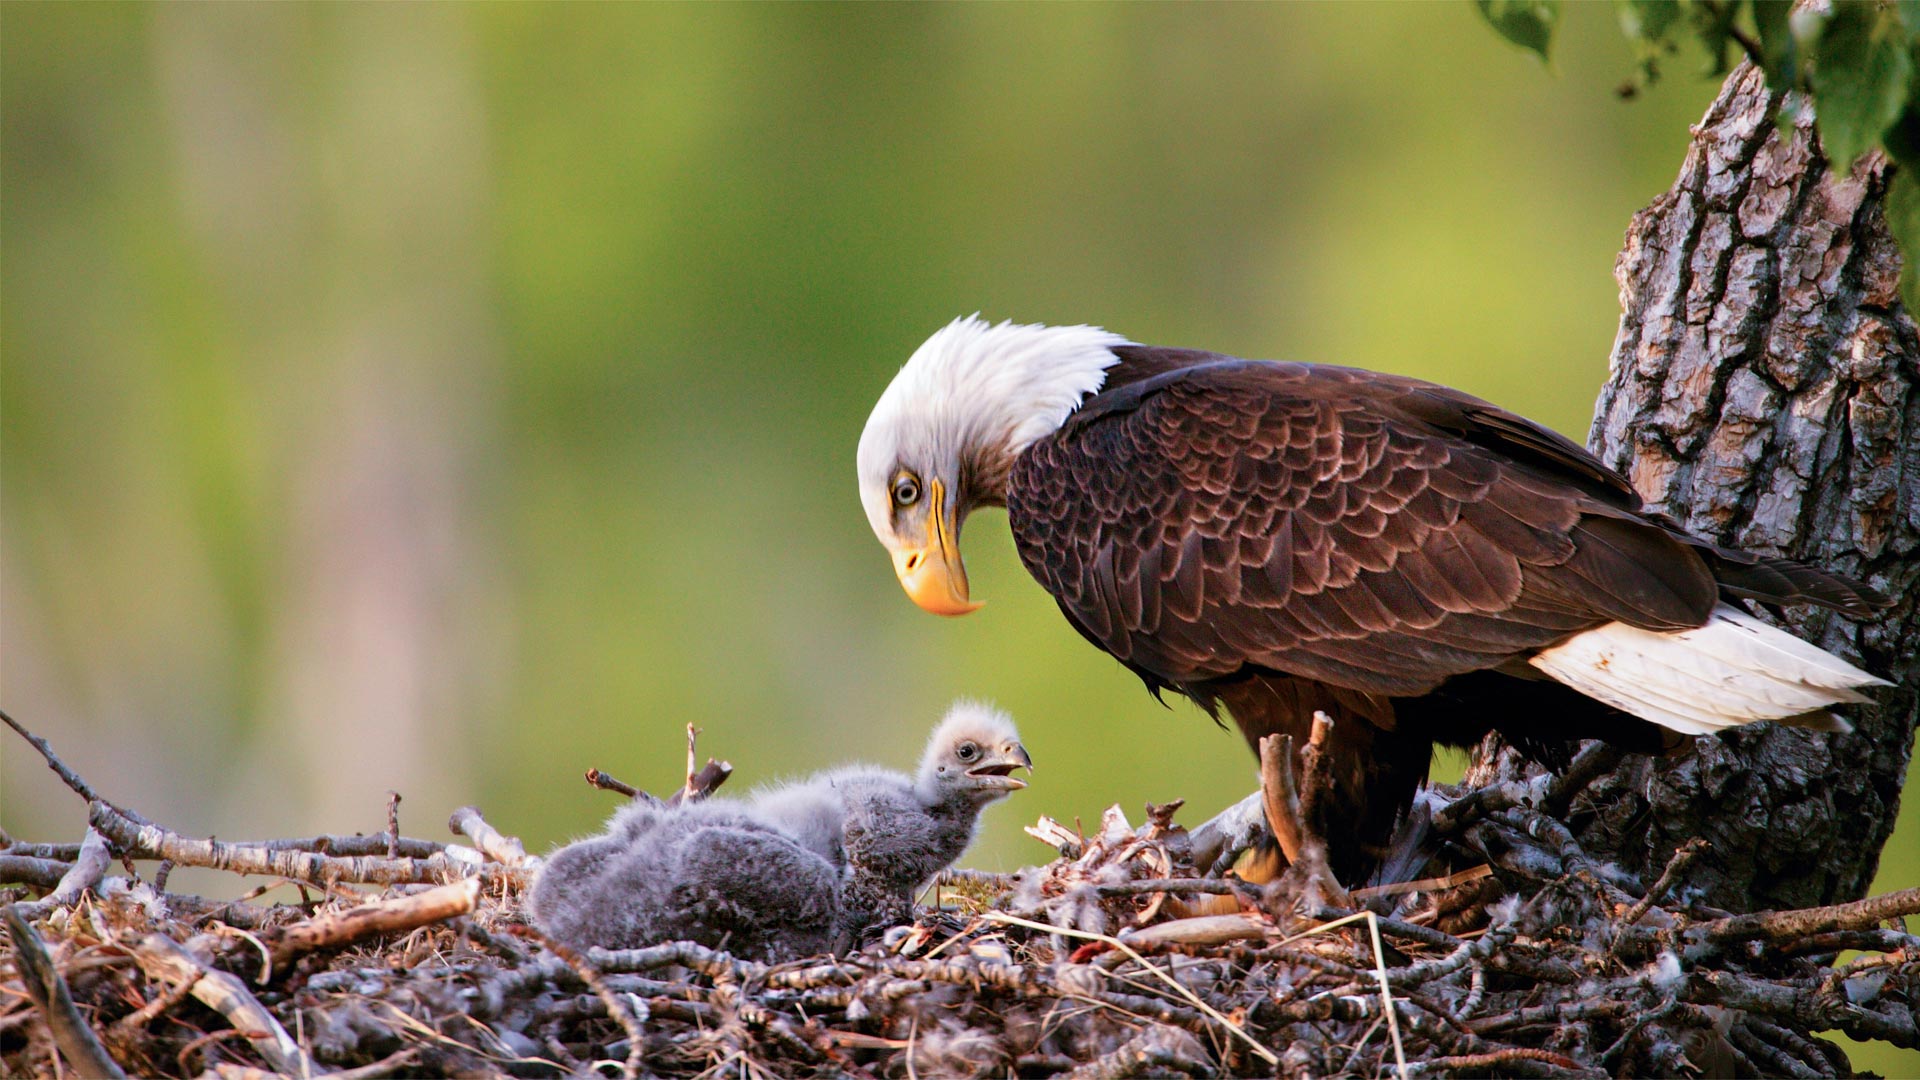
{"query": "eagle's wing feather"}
(1380, 535)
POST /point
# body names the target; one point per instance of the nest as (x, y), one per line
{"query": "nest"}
(1128, 954)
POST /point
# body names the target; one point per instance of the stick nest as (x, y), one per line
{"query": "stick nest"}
(1123, 956)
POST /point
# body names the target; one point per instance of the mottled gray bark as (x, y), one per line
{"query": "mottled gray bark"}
(1763, 393)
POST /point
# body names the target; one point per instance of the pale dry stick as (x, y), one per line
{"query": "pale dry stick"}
(1379, 971)
(380, 917)
(154, 842)
(83, 875)
(393, 824)
(693, 737)
(1432, 884)
(1200, 930)
(72, 1035)
(31, 870)
(1676, 865)
(1265, 1054)
(501, 848)
(1209, 886)
(1781, 926)
(164, 959)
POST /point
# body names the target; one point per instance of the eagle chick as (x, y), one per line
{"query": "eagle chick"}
(793, 870)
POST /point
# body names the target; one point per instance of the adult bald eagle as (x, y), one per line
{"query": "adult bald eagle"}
(1280, 538)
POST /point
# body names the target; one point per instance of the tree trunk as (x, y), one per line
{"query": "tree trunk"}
(1763, 393)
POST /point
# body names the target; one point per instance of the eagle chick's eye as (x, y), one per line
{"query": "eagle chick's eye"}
(906, 490)
(968, 751)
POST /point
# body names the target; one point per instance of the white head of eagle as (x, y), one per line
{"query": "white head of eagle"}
(941, 438)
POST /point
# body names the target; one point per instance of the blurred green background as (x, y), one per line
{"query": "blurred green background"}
(451, 398)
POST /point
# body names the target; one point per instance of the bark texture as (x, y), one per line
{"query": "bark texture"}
(1763, 393)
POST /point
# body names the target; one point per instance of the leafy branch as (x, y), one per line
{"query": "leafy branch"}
(1857, 60)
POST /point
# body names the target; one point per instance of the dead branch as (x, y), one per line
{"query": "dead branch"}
(395, 916)
(1781, 926)
(606, 782)
(154, 842)
(163, 958)
(43, 983)
(503, 849)
(393, 824)
(67, 776)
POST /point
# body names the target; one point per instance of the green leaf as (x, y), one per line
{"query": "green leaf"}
(1527, 23)
(1903, 221)
(1909, 11)
(1713, 23)
(1861, 71)
(1648, 25)
(1779, 54)
(1648, 21)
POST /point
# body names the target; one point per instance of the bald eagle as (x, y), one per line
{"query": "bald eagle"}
(1273, 539)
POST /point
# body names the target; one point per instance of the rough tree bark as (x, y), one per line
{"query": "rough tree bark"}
(1765, 393)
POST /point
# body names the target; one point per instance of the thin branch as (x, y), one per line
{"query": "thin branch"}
(71, 1032)
(606, 782)
(153, 842)
(163, 958)
(501, 848)
(1779, 927)
(68, 776)
(399, 915)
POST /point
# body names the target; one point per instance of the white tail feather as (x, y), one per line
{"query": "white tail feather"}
(1734, 670)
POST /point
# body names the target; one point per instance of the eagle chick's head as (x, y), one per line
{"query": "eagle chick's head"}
(971, 757)
(943, 436)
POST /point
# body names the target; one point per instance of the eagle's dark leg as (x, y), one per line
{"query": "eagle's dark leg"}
(1373, 771)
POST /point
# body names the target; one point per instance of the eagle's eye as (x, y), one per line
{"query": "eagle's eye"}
(906, 490)
(967, 751)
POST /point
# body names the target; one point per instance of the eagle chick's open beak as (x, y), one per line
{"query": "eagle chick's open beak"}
(997, 771)
(934, 576)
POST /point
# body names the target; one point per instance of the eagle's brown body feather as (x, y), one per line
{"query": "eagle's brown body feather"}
(1278, 538)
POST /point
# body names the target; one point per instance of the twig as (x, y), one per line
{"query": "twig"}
(1676, 866)
(71, 1032)
(1210, 886)
(163, 958)
(1200, 930)
(1595, 760)
(687, 791)
(393, 824)
(705, 782)
(380, 917)
(1432, 884)
(67, 776)
(606, 782)
(82, 876)
(501, 848)
(44, 874)
(1379, 970)
(1239, 1032)
(629, 1021)
(1779, 927)
(154, 842)
(124, 1029)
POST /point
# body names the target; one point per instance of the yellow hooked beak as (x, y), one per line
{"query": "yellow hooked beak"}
(933, 576)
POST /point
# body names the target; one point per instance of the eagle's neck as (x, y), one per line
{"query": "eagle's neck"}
(1000, 387)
